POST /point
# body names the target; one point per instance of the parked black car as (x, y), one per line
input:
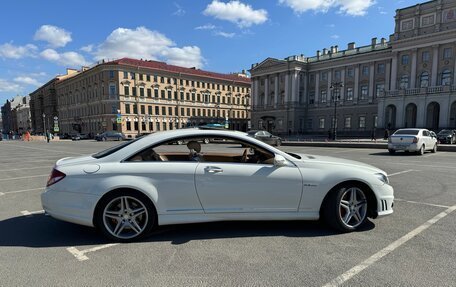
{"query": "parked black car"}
(447, 136)
(266, 137)
(110, 136)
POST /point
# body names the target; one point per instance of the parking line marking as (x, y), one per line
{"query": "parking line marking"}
(388, 249)
(401, 172)
(31, 213)
(50, 150)
(427, 165)
(81, 254)
(15, 169)
(18, 191)
(423, 203)
(22, 177)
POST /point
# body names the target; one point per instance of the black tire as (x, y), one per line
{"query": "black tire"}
(333, 210)
(434, 149)
(103, 139)
(421, 150)
(391, 151)
(145, 221)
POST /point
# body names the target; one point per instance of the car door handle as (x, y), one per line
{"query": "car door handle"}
(213, 169)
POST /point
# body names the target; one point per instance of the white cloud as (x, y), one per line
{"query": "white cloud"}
(6, 86)
(55, 36)
(349, 7)
(186, 57)
(206, 27)
(335, 36)
(236, 12)
(87, 49)
(8, 50)
(146, 44)
(27, 81)
(68, 59)
(224, 34)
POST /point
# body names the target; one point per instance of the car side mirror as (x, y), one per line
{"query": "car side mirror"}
(280, 161)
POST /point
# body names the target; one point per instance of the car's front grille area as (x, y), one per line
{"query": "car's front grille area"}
(384, 204)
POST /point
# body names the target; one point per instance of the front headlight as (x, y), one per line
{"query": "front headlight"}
(382, 177)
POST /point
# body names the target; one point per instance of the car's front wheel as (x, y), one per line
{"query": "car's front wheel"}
(125, 216)
(345, 208)
(421, 150)
(434, 149)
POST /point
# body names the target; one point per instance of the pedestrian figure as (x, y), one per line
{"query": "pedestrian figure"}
(374, 137)
(386, 136)
(48, 136)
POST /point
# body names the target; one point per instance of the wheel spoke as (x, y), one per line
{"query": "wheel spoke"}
(126, 205)
(112, 213)
(353, 195)
(119, 227)
(358, 216)
(348, 217)
(134, 225)
(116, 217)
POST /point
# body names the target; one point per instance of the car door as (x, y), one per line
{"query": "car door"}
(227, 187)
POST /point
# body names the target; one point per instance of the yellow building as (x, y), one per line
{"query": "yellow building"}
(139, 96)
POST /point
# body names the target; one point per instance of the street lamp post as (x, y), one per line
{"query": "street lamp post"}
(335, 85)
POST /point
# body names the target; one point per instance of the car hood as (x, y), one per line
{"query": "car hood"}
(334, 161)
(75, 160)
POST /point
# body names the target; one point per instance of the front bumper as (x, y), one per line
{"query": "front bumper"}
(68, 206)
(385, 200)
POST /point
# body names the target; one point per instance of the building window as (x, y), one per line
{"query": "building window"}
(347, 123)
(141, 92)
(379, 88)
(149, 93)
(155, 78)
(163, 111)
(162, 80)
(364, 92)
(447, 53)
(321, 123)
(311, 98)
(135, 109)
(141, 77)
(162, 94)
(404, 82)
(148, 78)
(149, 110)
(169, 95)
(128, 126)
(111, 74)
(156, 93)
(362, 122)
(143, 109)
(365, 71)
(112, 90)
(337, 74)
(407, 25)
(446, 78)
(349, 94)
(405, 59)
(157, 126)
(324, 76)
(425, 56)
(424, 80)
(125, 75)
(381, 68)
(350, 72)
(126, 90)
(427, 20)
(157, 110)
(323, 96)
(132, 75)
(127, 108)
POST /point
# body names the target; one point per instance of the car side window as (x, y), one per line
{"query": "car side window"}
(425, 133)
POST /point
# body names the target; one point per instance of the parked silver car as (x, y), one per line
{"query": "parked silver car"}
(266, 137)
(110, 136)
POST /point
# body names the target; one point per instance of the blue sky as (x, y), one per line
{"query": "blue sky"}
(40, 39)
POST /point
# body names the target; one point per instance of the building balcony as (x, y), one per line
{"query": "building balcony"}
(419, 91)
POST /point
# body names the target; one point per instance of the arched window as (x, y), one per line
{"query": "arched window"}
(424, 80)
(446, 78)
(404, 82)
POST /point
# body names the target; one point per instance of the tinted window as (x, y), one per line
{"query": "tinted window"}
(113, 149)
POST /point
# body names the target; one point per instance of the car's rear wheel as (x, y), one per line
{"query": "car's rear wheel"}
(125, 216)
(421, 150)
(391, 151)
(345, 208)
(434, 149)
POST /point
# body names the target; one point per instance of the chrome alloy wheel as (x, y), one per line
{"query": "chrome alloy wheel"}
(125, 217)
(353, 207)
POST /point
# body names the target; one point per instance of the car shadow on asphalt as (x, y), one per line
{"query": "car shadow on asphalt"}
(395, 154)
(40, 231)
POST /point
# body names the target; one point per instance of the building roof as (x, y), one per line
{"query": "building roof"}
(162, 66)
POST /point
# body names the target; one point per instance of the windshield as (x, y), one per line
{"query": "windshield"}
(406, 132)
(113, 149)
(444, 132)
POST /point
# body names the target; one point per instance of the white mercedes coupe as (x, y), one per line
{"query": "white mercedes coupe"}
(127, 190)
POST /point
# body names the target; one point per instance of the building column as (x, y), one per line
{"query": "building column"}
(294, 87)
(421, 112)
(276, 90)
(329, 92)
(435, 63)
(255, 92)
(356, 87)
(317, 89)
(342, 89)
(454, 75)
(266, 91)
(388, 76)
(371, 82)
(394, 72)
(304, 91)
(413, 74)
(287, 88)
(381, 113)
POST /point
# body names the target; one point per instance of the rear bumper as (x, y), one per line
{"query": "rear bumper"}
(404, 147)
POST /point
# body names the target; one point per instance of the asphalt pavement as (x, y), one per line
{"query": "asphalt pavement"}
(413, 247)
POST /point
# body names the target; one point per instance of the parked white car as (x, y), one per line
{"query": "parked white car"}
(412, 140)
(127, 190)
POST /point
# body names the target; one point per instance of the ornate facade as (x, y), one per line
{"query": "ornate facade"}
(404, 82)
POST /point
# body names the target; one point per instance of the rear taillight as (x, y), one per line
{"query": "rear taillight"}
(55, 177)
(415, 140)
